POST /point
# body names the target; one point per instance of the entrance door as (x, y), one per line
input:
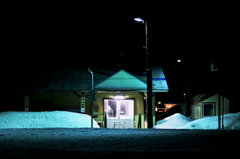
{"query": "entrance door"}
(120, 113)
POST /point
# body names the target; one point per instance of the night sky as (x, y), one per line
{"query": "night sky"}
(63, 36)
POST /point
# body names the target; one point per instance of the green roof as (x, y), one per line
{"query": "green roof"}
(122, 81)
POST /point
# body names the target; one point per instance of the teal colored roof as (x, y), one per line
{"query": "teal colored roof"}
(159, 82)
(122, 81)
(58, 78)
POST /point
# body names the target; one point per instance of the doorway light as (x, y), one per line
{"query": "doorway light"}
(119, 97)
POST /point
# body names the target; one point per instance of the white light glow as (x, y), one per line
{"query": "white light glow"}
(119, 97)
(139, 19)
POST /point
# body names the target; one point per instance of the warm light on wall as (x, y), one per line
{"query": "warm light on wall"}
(119, 97)
(159, 102)
(168, 106)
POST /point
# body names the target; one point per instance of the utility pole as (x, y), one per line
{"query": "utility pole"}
(149, 81)
(149, 78)
(214, 67)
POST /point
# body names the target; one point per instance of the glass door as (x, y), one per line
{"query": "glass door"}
(120, 113)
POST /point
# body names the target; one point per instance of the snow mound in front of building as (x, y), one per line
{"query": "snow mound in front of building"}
(230, 121)
(179, 121)
(48, 119)
(172, 121)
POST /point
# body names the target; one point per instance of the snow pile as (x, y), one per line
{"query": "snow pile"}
(49, 119)
(65, 119)
(172, 121)
(231, 121)
(179, 121)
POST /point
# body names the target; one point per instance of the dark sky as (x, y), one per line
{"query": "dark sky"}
(53, 32)
(63, 36)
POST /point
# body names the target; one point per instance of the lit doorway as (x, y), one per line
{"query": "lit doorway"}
(120, 113)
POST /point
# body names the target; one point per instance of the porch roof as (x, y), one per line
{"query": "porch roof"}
(124, 81)
(121, 81)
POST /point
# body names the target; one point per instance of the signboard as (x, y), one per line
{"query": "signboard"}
(82, 103)
(26, 103)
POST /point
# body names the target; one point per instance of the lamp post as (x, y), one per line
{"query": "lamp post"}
(149, 77)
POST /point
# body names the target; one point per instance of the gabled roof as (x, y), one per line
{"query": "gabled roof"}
(202, 97)
(122, 81)
(60, 78)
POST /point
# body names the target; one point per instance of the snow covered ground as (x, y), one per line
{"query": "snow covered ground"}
(62, 138)
(179, 121)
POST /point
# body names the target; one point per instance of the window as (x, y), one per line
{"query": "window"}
(208, 109)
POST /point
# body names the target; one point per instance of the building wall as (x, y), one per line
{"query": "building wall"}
(225, 106)
(57, 101)
(49, 101)
(197, 109)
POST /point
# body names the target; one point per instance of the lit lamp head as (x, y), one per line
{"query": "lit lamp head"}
(139, 20)
(119, 97)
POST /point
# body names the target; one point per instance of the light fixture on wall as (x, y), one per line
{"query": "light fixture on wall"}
(119, 96)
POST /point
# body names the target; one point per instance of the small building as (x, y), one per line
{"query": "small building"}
(92, 92)
(204, 105)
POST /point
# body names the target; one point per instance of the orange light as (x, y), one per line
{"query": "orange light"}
(159, 102)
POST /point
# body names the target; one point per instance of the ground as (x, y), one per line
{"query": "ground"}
(116, 143)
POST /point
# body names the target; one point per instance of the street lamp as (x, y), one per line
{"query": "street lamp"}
(149, 77)
(139, 20)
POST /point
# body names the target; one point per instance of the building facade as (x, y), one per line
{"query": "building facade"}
(91, 91)
(208, 104)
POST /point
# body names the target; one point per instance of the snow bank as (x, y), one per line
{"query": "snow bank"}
(179, 121)
(172, 121)
(231, 121)
(49, 119)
